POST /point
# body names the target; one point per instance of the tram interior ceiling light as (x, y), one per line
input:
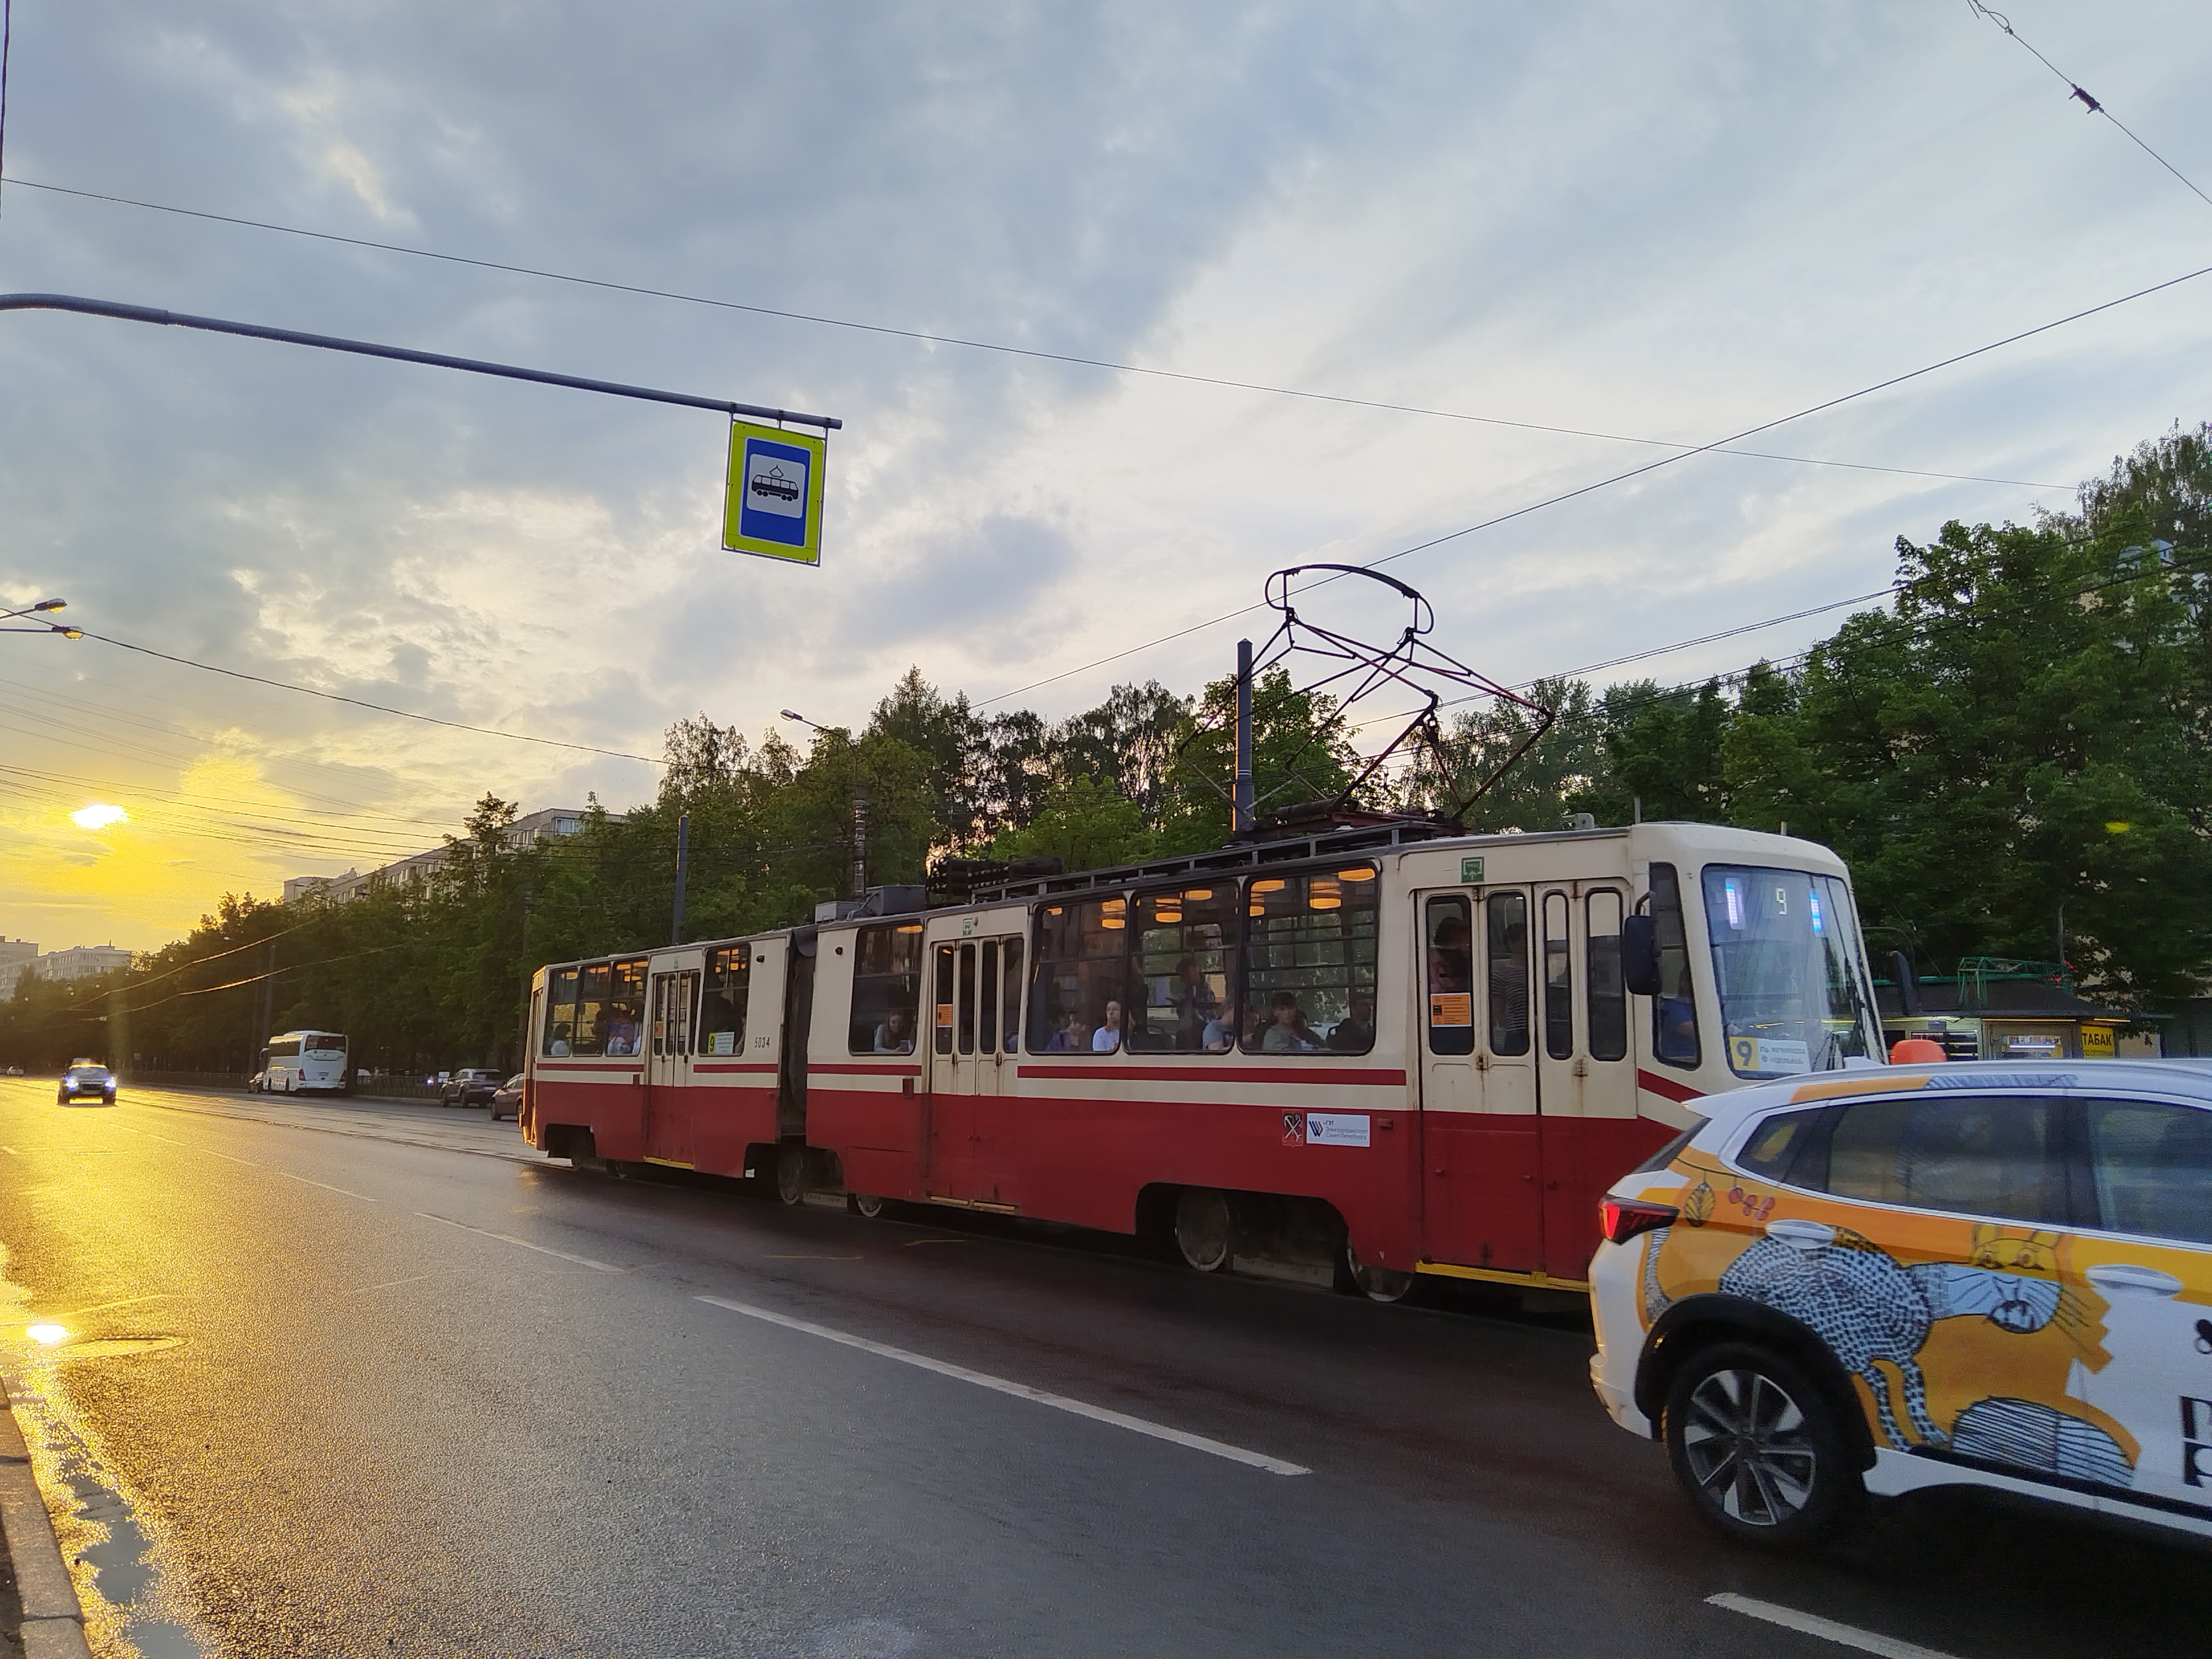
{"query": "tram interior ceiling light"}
(1321, 660)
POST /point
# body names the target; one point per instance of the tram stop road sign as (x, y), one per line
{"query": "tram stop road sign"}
(773, 504)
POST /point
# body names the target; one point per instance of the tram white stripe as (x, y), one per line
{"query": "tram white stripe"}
(505, 1238)
(1849, 1636)
(1020, 1390)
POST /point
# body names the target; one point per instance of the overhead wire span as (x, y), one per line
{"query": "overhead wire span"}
(1580, 491)
(373, 707)
(999, 348)
(2090, 104)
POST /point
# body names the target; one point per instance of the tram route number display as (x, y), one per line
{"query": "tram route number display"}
(1326, 1129)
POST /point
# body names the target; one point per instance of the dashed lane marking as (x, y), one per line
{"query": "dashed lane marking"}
(268, 1169)
(508, 1238)
(1020, 1390)
(1849, 1636)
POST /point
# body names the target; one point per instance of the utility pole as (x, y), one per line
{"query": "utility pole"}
(860, 831)
(1241, 825)
(268, 1001)
(683, 858)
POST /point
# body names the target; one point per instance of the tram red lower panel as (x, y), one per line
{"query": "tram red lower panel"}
(1086, 1162)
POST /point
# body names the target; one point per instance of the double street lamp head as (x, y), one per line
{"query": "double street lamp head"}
(41, 608)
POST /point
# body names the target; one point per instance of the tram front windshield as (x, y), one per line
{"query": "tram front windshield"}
(1793, 987)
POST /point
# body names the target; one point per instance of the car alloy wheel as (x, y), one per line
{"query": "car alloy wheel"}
(1757, 1447)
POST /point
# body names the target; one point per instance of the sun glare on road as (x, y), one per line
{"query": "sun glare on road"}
(50, 1335)
(99, 816)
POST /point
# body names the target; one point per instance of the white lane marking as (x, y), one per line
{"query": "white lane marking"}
(393, 1284)
(269, 1168)
(1020, 1390)
(505, 1238)
(11, 1151)
(1866, 1641)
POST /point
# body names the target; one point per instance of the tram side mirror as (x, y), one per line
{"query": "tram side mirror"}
(1639, 955)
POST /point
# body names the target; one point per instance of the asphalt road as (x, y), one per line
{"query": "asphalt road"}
(406, 1389)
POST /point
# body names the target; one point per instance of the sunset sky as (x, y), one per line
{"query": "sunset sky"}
(1668, 222)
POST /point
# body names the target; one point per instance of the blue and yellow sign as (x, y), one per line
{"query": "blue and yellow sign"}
(774, 503)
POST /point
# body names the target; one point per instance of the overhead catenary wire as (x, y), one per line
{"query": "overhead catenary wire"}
(1581, 490)
(999, 348)
(2092, 105)
(373, 707)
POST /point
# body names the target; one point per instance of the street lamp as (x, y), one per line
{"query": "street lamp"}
(860, 801)
(42, 606)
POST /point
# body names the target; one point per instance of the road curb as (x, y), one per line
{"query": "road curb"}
(53, 1621)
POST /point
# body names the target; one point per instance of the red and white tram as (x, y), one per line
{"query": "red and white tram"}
(1379, 1049)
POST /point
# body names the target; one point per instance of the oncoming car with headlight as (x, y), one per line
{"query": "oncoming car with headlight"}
(1991, 1275)
(88, 1078)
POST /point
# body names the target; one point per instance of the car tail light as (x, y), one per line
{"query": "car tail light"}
(1622, 1219)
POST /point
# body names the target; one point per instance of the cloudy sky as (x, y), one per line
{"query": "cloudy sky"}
(1665, 222)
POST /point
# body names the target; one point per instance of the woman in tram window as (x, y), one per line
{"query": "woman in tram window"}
(559, 1045)
(892, 1037)
(1108, 1037)
(1196, 1007)
(1287, 1032)
(1073, 1037)
(1451, 957)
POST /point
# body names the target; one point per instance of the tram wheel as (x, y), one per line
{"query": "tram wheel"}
(1379, 1284)
(1201, 1228)
(790, 1175)
(866, 1204)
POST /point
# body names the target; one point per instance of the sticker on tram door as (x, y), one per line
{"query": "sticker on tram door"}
(1294, 1128)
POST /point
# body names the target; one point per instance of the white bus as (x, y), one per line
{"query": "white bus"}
(304, 1062)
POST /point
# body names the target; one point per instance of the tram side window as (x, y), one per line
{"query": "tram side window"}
(1558, 979)
(1505, 955)
(1451, 936)
(1011, 1025)
(1309, 963)
(560, 1012)
(625, 1015)
(886, 988)
(1607, 999)
(722, 1000)
(1080, 1003)
(1185, 946)
(1675, 1010)
(594, 986)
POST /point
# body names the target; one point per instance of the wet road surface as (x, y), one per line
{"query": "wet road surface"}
(393, 1390)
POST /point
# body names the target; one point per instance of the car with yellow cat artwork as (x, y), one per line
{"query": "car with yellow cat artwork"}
(1990, 1273)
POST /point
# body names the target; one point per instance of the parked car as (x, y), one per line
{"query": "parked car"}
(1990, 1273)
(87, 1077)
(471, 1085)
(15, 1071)
(507, 1102)
(257, 1083)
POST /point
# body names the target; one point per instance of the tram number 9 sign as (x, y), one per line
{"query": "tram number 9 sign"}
(774, 503)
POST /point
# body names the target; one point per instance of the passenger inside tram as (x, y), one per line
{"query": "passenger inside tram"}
(622, 1028)
(1355, 1032)
(894, 1035)
(1675, 1022)
(1287, 1032)
(559, 1045)
(1108, 1037)
(1073, 1038)
(1219, 1036)
(1451, 957)
(1196, 1006)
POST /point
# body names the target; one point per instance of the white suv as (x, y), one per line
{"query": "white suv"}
(1992, 1273)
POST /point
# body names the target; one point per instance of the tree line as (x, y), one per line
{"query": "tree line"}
(2015, 755)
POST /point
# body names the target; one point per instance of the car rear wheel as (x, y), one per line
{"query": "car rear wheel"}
(1758, 1448)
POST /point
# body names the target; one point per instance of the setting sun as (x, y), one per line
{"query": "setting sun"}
(99, 816)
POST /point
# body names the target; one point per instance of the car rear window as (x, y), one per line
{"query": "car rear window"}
(2152, 1164)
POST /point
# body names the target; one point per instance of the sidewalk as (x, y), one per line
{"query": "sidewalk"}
(447, 1128)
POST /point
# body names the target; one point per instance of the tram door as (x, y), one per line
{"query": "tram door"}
(975, 997)
(1482, 1192)
(670, 1102)
(1586, 1084)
